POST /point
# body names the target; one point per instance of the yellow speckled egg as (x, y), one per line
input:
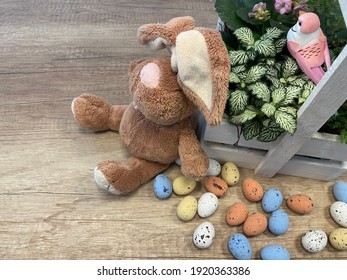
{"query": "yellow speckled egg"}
(300, 203)
(338, 238)
(255, 224)
(187, 208)
(252, 190)
(216, 185)
(237, 214)
(183, 185)
(230, 173)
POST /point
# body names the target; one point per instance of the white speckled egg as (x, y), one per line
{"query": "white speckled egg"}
(338, 211)
(314, 241)
(203, 235)
(214, 168)
(207, 204)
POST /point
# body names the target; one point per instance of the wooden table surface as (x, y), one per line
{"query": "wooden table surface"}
(50, 208)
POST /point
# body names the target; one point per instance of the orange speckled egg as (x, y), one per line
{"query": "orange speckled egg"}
(300, 203)
(255, 224)
(237, 214)
(216, 185)
(252, 190)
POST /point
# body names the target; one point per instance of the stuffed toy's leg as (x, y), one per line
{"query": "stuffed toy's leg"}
(123, 177)
(94, 113)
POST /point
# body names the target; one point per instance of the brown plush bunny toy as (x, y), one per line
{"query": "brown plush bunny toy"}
(156, 128)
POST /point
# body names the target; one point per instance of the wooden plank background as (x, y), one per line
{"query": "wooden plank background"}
(54, 50)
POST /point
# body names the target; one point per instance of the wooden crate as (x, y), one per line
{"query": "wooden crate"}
(307, 153)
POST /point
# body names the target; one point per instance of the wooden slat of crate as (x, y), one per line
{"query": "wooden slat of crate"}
(299, 166)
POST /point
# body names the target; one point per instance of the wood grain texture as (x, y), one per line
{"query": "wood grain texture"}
(50, 208)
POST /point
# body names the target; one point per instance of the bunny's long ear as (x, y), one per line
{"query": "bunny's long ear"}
(202, 63)
(158, 36)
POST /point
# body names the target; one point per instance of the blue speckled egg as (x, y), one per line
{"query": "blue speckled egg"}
(278, 222)
(340, 191)
(240, 247)
(274, 252)
(271, 200)
(162, 186)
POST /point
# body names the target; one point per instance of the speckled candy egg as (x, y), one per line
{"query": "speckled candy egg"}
(255, 224)
(340, 191)
(162, 186)
(183, 185)
(252, 190)
(230, 173)
(207, 204)
(240, 247)
(314, 241)
(214, 168)
(274, 252)
(237, 214)
(278, 222)
(216, 185)
(272, 200)
(338, 238)
(203, 235)
(300, 203)
(338, 211)
(187, 208)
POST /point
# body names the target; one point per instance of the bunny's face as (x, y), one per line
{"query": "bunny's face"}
(156, 92)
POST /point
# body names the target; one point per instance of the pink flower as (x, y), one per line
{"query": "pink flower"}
(300, 6)
(283, 6)
(259, 11)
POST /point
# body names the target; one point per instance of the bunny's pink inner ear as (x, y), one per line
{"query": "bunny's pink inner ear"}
(150, 75)
(203, 71)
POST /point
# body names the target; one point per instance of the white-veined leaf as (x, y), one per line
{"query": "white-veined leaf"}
(266, 47)
(268, 134)
(279, 44)
(292, 92)
(268, 109)
(245, 35)
(238, 57)
(247, 115)
(272, 33)
(290, 110)
(233, 78)
(255, 73)
(261, 91)
(278, 95)
(251, 129)
(289, 67)
(285, 121)
(238, 101)
(239, 69)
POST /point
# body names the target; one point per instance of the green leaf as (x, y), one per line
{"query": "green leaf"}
(255, 73)
(278, 95)
(290, 110)
(233, 78)
(245, 36)
(226, 10)
(239, 69)
(272, 33)
(266, 47)
(251, 129)
(238, 57)
(268, 134)
(292, 93)
(299, 82)
(247, 115)
(268, 109)
(286, 121)
(261, 91)
(289, 67)
(238, 101)
(279, 44)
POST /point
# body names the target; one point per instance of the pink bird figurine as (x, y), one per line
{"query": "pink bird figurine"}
(308, 45)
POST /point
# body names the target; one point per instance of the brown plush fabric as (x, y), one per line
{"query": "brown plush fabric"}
(156, 128)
